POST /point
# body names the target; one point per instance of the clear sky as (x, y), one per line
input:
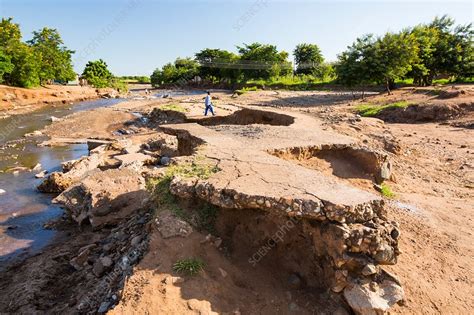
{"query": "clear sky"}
(136, 36)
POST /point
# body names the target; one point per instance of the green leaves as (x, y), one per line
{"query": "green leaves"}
(308, 58)
(42, 59)
(422, 53)
(97, 74)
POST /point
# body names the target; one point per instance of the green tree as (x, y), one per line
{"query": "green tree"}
(218, 65)
(25, 61)
(181, 72)
(6, 66)
(97, 74)
(382, 60)
(56, 63)
(263, 61)
(308, 58)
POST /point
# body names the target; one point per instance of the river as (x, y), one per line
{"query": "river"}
(24, 211)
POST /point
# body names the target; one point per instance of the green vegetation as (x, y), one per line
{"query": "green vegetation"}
(421, 53)
(159, 187)
(97, 74)
(41, 60)
(372, 110)
(135, 79)
(188, 266)
(174, 107)
(245, 90)
(386, 191)
(438, 52)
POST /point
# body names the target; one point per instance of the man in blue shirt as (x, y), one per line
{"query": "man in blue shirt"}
(208, 104)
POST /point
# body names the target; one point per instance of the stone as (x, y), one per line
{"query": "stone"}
(105, 197)
(104, 307)
(294, 281)
(223, 272)
(171, 226)
(37, 167)
(54, 119)
(134, 158)
(165, 161)
(98, 269)
(386, 170)
(2, 191)
(369, 269)
(373, 300)
(41, 174)
(136, 240)
(106, 261)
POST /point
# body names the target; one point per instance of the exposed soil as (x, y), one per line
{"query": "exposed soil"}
(15, 100)
(433, 182)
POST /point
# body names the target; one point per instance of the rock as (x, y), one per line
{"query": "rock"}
(37, 167)
(171, 226)
(98, 269)
(35, 133)
(369, 269)
(2, 191)
(134, 158)
(136, 240)
(58, 182)
(294, 281)
(54, 119)
(106, 261)
(92, 144)
(55, 183)
(373, 300)
(104, 307)
(41, 174)
(165, 160)
(223, 272)
(385, 170)
(79, 261)
(105, 197)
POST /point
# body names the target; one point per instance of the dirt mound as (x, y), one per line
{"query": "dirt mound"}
(426, 112)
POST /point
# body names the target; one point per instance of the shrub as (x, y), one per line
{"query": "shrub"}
(189, 266)
(369, 110)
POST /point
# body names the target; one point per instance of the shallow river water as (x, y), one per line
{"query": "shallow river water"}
(24, 211)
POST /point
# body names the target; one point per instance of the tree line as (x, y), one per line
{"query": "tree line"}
(421, 53)
(44, 59)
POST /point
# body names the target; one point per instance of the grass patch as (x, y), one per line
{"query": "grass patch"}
(386, 191)
(246, 89)
(188, 266)
(174, 107)
(164, 200)
(371, 110)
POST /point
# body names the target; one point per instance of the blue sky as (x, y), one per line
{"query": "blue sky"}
(136, 36)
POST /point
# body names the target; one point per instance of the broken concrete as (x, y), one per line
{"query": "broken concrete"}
(347, 227)
(105, 198)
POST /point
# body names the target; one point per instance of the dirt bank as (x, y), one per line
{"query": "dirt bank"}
(15, 100)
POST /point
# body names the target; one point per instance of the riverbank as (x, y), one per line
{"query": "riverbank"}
(425, 221)
(15, 101)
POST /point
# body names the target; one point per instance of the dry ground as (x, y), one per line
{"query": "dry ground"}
(434, 200)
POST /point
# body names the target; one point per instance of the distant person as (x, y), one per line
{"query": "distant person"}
(208, 104)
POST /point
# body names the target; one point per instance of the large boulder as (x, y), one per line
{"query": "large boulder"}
(105, 197)
(74, 171)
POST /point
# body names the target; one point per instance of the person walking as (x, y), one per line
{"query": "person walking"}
(208, 103)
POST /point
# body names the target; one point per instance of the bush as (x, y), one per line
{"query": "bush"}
(189, 266)
(97, 74)
(369, 110)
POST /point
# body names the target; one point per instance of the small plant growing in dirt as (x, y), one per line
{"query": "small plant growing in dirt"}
(245, 90)
(159, 188)
(188, 266)
(174, 107)
(371, 110)
(386, 191)
(206, 218)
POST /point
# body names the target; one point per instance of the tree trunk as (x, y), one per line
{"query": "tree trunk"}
(387, 85)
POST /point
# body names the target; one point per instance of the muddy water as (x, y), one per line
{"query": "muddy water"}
(24, 211)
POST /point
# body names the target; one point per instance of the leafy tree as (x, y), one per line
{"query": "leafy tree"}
(308, 58)
(218, 64)
(6, 66)
(183, 70)
(381, 60)
(97, 74)
(56, 63)
(263, 61)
